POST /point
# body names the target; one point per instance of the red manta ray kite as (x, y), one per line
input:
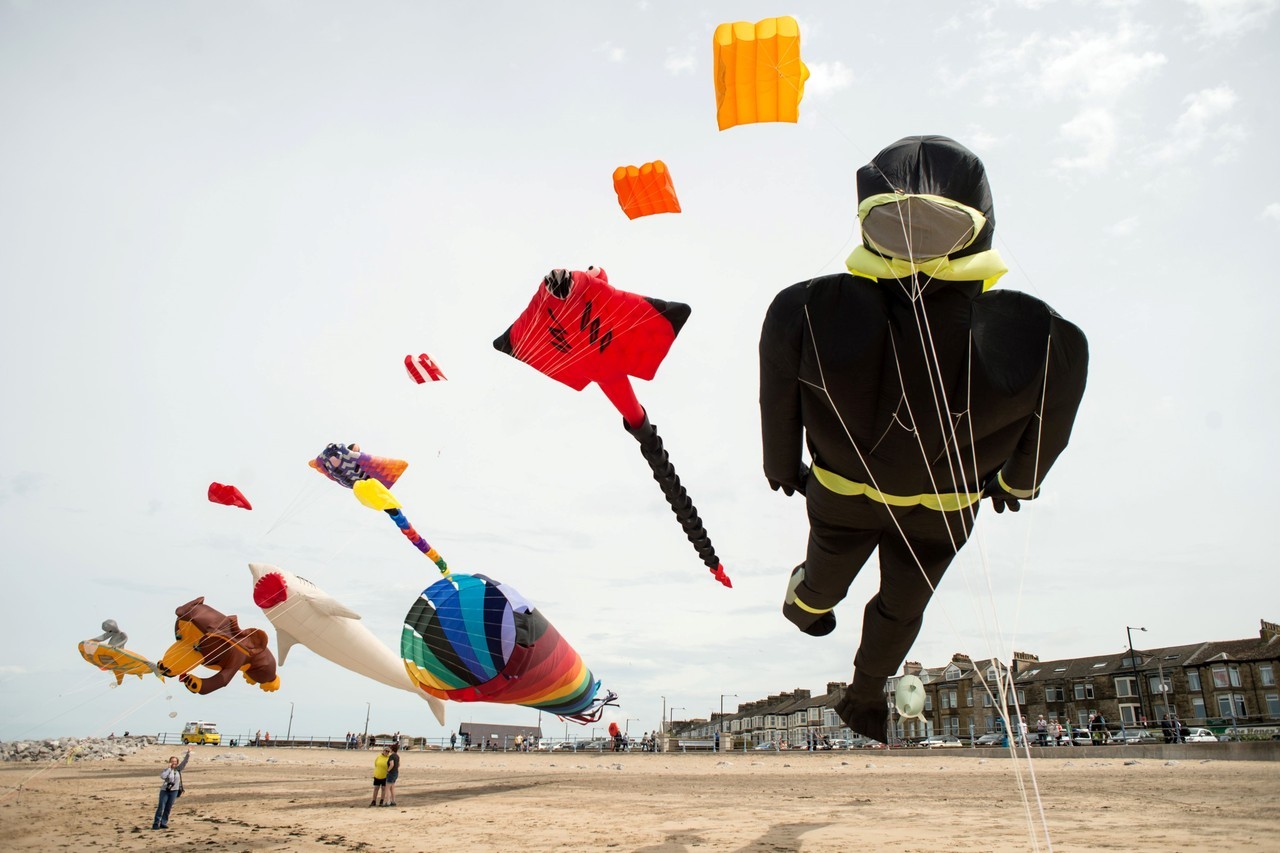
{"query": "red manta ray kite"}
(577, 330)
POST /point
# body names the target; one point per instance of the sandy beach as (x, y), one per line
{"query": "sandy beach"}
(311, 799)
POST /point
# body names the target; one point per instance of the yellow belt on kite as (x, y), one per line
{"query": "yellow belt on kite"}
(939, 501)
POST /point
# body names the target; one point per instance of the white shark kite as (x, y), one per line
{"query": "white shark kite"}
(304, 614)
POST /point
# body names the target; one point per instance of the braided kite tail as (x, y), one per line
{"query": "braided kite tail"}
(681, 504)
(418, 542)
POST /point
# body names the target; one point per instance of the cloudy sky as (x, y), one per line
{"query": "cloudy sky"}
(223, 226)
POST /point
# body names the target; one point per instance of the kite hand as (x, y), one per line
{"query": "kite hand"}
(193, 682)
(790, 487)
(1002, 497)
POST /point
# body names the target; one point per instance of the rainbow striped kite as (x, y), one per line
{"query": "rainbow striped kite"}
(470, 638)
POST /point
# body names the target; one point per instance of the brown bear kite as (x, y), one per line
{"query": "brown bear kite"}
(210, 638)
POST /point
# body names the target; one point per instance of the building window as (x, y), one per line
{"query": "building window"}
(928, 701)
(1266, 675)
(1126, 685)
(1226, 676)
(1225, 705)
(1129, 714)
(1197, 707)
(1158, 685)
(1193, 680)
(953, 673)
(1054, 694)
(1273, 704)
(1083, 691)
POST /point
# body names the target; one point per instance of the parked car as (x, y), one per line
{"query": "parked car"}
(766, 745)
(1200, 736)
(1127, 736)
(840, 743)
(864, 743)
(940, 741)
(1077, 737)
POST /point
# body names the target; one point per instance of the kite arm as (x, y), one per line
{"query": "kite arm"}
(681, 504)
(781, 423)
(1046, 437)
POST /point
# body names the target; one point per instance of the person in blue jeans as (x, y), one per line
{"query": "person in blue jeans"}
(170, 789)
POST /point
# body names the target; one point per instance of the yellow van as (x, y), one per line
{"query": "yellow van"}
(198, 731)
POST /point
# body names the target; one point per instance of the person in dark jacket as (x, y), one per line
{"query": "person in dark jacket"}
(917, 391)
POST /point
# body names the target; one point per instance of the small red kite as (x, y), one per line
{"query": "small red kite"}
(228, 495)
(423, 368)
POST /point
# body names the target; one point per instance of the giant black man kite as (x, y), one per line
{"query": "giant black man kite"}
(917, 392)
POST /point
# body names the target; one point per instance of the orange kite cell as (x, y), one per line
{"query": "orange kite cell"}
(758, 72)
(645, 190)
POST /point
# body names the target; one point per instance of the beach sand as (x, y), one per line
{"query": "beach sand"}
(313, 799)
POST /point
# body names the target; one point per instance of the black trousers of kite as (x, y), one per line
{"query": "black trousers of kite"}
(915, 543)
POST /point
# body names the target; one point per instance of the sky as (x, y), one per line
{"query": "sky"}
(223, 226)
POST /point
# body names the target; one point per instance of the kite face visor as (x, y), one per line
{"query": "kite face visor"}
(915, 227)
(906, 233)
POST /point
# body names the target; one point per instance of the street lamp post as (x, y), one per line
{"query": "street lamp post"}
(671, 722)
(1133, 662)
(288, 734)
(720, 722)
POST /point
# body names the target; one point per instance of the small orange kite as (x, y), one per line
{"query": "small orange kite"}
(645, 190)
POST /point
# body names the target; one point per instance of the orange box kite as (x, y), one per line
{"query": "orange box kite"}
(645, 190)
(758, 72)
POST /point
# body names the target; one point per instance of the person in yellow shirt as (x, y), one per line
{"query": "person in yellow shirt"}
(380, 765)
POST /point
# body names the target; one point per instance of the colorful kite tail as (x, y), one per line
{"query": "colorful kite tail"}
(681, 504)
(416, 538)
